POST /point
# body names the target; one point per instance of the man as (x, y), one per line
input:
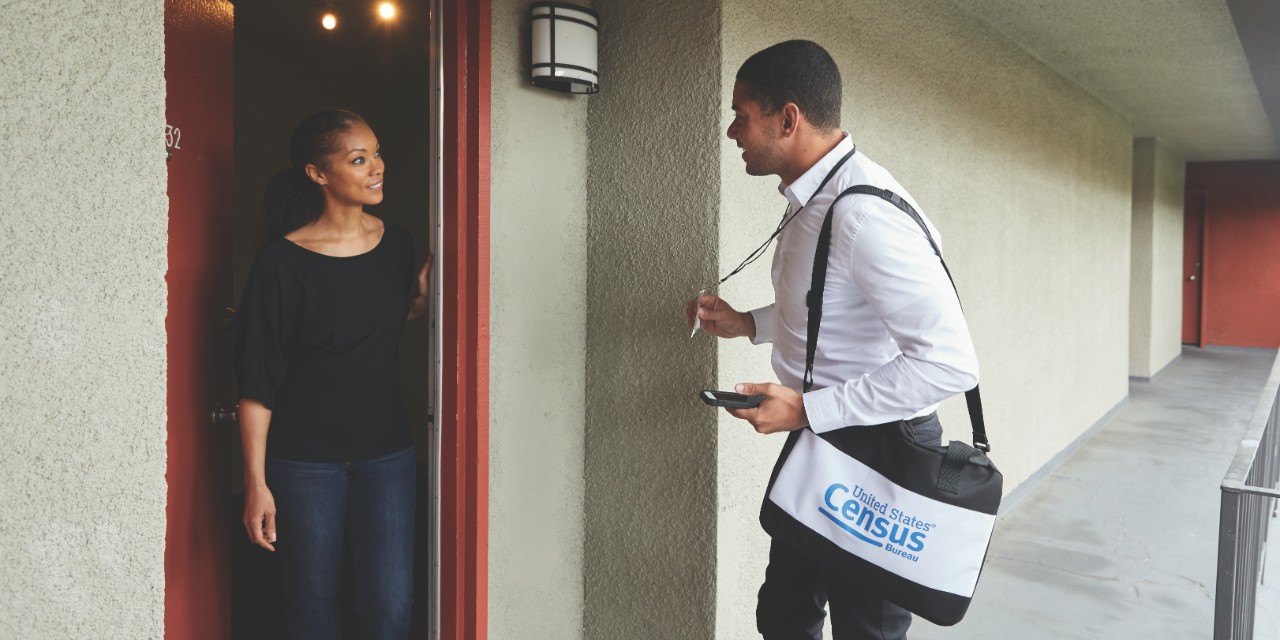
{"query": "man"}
(893, 342)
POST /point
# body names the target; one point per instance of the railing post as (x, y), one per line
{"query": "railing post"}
(1224, 600)
(1248, 497)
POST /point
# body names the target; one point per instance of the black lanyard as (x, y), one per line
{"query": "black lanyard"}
(755, 255)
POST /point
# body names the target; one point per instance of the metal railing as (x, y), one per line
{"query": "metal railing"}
(1248, 497)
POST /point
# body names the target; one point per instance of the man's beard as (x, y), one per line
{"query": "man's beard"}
(766, 161)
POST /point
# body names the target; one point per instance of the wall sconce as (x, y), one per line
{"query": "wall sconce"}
(564, 47)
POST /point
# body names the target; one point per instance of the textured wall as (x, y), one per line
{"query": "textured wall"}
(83, 236)
(1166, 259)
(1140, 254)
(1027, 177)
(1155, 288)
(1241, 270)
(537, 345)
(653, 202)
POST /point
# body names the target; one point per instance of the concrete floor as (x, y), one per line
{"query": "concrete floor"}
(1120, 540)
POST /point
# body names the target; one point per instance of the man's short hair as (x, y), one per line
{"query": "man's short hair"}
(796, 71)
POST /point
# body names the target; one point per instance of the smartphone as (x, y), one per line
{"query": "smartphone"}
(730, 399)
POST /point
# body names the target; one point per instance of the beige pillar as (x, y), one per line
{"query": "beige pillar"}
(653, 202)
(1155, 289)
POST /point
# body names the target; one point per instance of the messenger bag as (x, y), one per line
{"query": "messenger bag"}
(872, 503)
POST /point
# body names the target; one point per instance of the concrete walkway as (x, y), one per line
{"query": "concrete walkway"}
(1120, 540)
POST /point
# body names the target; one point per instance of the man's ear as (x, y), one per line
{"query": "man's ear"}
(790, 119)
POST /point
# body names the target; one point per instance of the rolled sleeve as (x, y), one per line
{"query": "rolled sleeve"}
(763, 318)
(823, 410)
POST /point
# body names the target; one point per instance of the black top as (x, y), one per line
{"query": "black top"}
(317, 342)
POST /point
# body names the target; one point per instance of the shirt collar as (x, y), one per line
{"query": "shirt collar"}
(800, 191)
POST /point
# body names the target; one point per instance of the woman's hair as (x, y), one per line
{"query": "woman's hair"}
(291, 200)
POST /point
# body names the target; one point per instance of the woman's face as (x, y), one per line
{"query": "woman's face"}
(354, 174)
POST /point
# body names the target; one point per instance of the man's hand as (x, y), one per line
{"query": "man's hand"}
(782, 409)
(719, 319)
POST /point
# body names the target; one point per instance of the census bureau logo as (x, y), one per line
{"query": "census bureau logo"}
(859, 513)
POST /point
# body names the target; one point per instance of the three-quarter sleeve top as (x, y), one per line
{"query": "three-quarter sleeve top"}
(317, 342)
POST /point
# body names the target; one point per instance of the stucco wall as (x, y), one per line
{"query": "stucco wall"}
(83, 241)
(1140, 253)
(1166, 259)
(1028, 179)
(653, 201)
(1155, 289)
(537, 344)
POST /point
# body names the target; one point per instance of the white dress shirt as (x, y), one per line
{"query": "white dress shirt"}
(893, 341)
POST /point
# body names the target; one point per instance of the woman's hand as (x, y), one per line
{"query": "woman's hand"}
(260, 516)
(424, 275)
(419, 302)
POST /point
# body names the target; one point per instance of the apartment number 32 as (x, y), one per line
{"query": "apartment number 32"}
(172, 137)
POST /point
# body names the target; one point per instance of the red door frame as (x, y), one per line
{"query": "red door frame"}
(464, 455)
(464, 512)
(199, 84)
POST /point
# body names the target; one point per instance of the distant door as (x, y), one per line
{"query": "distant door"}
(198, 134)
(1193, 269)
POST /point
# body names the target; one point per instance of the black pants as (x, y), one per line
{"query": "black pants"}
(796, 591)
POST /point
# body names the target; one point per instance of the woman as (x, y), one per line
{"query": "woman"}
(326, 441)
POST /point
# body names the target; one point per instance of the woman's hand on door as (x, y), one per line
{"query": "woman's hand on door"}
(260, 516)
(419, 300)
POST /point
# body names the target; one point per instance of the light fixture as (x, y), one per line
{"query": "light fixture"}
(564, 47)
(387, 10)
(329, 21)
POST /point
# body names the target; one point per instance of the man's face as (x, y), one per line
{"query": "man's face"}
(757, 134)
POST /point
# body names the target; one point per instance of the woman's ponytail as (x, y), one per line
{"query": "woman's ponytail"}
(291, 199)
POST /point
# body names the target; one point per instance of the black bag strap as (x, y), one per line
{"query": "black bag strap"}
(819, 282)
(958, 455)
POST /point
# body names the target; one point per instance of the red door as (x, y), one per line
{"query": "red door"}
(1193, 269)
(199, 111)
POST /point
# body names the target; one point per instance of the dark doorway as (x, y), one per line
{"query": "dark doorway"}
(287, 64)
(1193, 269)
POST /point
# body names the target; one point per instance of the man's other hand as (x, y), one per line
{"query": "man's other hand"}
(719, 319)
(782, 409)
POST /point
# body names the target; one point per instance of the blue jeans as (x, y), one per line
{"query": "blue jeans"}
(319, 504)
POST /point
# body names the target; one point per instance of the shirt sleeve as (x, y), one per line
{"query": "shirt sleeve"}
(260, 342)
(894, 266)
(763, 318)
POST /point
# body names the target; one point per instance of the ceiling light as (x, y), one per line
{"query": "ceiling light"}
(329, 21)
(387, 10)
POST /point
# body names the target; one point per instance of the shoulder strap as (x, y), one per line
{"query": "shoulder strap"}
(819, 282)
